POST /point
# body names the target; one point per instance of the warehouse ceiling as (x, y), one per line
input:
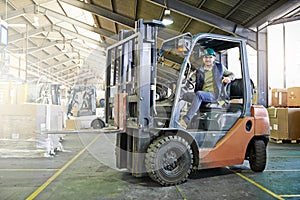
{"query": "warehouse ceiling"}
(65, 40)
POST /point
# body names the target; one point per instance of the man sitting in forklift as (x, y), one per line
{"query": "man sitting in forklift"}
(210, 78)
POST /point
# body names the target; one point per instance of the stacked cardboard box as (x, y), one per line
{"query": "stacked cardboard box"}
(293, 97)
(279, 97)
(284, 123)
(289, 97)
(284, 114)
(71, 124)
(21, 121)
(11, 93)
(21, 126)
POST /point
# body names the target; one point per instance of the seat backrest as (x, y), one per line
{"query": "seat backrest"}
(236, 89)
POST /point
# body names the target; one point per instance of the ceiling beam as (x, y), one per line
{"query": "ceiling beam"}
(62, 62)
(76, 35)
(42, 47)
(82, 74)
(48, 57)
(74, 22)
(37, 71)
(273, 11)
(17, 13)
(210, 19)
(48, 12)
(66, 69)
(102, 12)
(21, 36)
(285, 20)
(114, 17)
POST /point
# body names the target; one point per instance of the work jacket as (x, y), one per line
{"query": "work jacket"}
(219, 71)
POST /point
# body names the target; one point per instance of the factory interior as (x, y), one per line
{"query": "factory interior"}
(96, 96)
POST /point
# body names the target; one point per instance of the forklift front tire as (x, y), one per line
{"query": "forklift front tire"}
(169, 160)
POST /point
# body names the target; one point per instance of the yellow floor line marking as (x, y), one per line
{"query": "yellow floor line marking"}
(282, 170)
(259, 186)
(272, 170)
(290, 195)
(13, 170)
(180, 192)
(52, 178)
(283, 156)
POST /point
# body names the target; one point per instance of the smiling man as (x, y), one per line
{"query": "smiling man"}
(209, 79)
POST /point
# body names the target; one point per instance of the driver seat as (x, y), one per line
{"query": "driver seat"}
(232, 90)
(213, 116)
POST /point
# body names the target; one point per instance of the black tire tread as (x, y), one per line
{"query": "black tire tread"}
(150, 159)
(95, 123)
(258, 156)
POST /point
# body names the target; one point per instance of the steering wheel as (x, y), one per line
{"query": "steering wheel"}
(189, 84)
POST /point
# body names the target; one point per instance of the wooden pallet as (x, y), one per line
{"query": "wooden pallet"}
(281, 141)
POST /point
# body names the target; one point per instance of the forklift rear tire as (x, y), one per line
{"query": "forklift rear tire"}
(258, 156)
(169, 160)
(97, 124)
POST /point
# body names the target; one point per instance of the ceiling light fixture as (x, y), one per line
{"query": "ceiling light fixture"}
(64, 49)
(36, 17)
(167, 19)
(35, 21)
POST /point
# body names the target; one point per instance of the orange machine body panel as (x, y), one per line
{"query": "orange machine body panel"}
(231, 149)
(262, 122)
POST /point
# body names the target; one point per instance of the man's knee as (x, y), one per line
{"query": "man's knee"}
(200, 94)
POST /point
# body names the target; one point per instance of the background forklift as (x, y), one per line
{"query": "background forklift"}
(145, 96)
(82, 106)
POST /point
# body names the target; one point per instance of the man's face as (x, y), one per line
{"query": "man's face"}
(209, 60)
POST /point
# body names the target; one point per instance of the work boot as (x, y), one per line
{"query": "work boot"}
(182, 123)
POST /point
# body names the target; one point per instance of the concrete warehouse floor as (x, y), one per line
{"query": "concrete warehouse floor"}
(86, 170)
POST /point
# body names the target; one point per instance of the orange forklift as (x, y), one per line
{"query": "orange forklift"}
(147, 91)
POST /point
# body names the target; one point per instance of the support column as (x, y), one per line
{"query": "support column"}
(262, 68)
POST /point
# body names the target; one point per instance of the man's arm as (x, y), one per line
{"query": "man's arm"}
(228, 75)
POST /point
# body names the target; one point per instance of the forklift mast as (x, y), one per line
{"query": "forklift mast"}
(131, 72)
(130, 91)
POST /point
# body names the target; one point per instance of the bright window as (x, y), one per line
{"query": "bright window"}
(284, 55)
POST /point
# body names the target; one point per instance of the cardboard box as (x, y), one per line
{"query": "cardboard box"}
(20, 127)
(54, 117)
(13, 93)
(71, 124)
(279, 97)
(294, 123)
(21, 121)
(293, 99)
(284, 123)
(24, 121)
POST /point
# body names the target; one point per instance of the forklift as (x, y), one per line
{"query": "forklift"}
(82, 107)
(146, 94)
